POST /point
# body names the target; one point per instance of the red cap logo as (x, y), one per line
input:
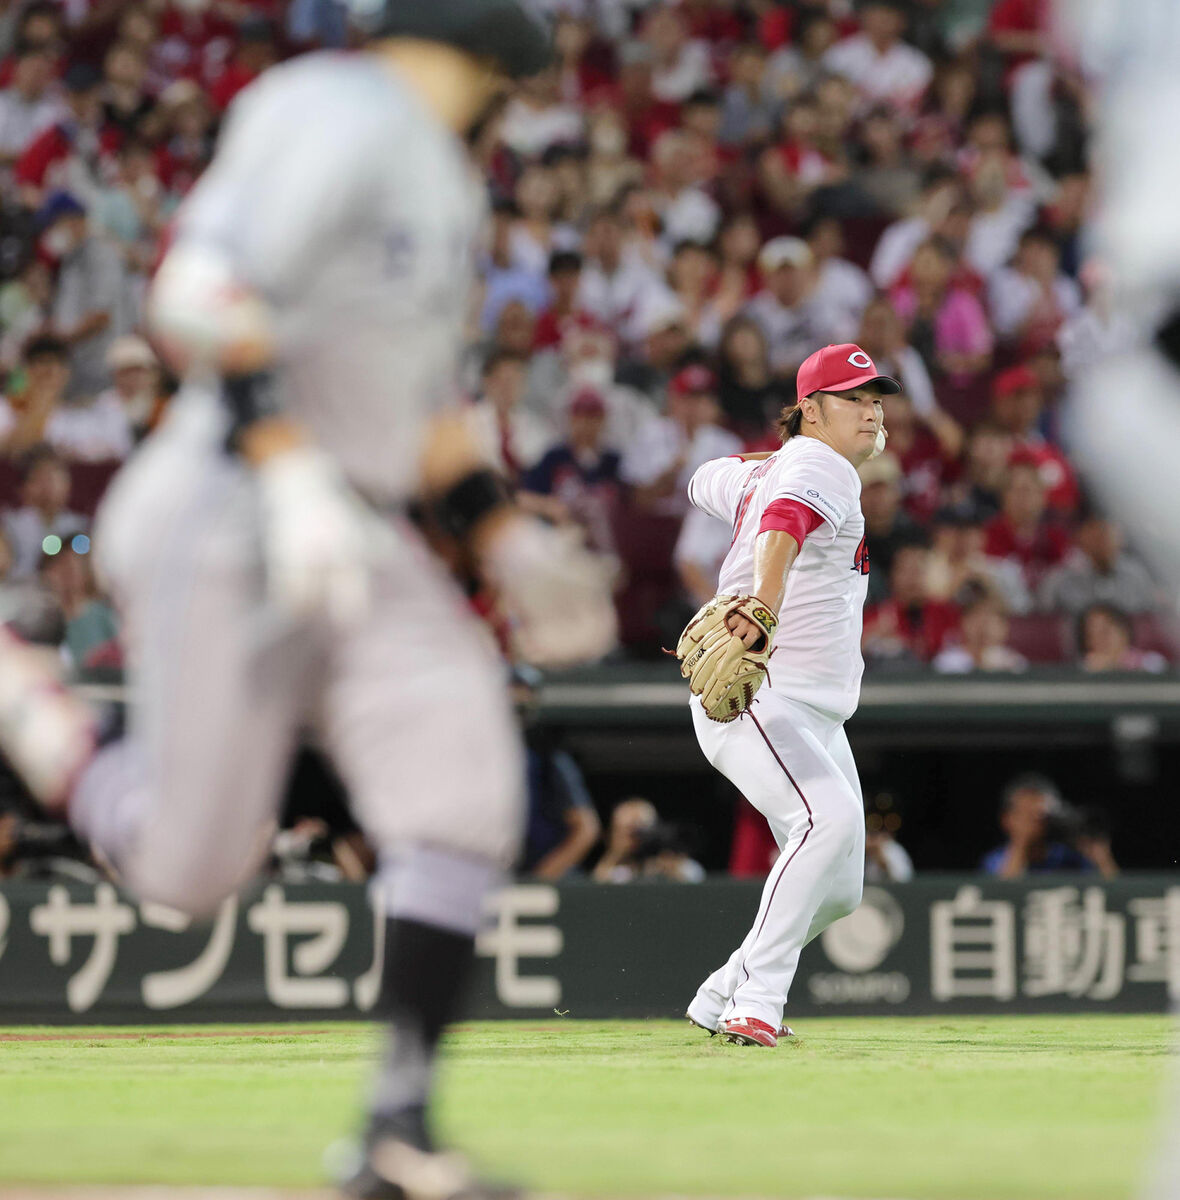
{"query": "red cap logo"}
(840, 369)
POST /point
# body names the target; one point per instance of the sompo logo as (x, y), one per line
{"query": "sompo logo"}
(860, 941)
(860, 359)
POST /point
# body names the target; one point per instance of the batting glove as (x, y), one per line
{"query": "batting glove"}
(318, 538)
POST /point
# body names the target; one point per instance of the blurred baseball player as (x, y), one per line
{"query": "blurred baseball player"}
(1128, 53)
(1125, 409)
(259, 549)
(793, 585)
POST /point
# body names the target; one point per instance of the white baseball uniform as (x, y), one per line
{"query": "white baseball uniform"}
(788, 754)
(338, 198)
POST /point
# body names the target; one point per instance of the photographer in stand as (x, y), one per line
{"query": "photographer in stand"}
(641, 846)
(1047, 834)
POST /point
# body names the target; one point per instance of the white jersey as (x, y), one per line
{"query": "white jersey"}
(353, 211)
(817, 655)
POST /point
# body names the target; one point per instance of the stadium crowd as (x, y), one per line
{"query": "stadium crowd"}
(696, 196)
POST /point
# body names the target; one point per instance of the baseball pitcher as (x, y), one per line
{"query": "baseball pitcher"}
(774, 666)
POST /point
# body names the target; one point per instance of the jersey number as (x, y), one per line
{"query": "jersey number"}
(860, 560)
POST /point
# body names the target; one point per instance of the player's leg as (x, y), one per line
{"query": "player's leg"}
(182, 805)
(417, 719)
(847, 884)
(714, 994)
(778, 758)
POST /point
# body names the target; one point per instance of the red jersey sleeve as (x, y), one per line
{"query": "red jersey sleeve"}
(790, 516)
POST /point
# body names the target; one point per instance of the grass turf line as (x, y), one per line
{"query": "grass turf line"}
(1025, 1108)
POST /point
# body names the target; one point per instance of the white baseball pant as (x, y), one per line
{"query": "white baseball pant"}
(793, 763)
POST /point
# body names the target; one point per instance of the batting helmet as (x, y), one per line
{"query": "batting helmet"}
(507, 31)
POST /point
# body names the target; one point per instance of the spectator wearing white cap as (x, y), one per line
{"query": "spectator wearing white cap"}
(667, 450)
(785, 308)
(107, 427)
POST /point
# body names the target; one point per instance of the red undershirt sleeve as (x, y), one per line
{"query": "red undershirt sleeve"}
(790, 516)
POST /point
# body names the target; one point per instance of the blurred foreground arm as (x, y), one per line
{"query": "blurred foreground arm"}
(556, 594)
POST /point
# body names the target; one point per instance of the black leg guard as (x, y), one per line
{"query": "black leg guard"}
(426, 973)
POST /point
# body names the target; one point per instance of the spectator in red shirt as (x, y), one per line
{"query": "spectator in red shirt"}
(717, 24)
(68, 155)
(1021, 532)
(647, 118)
(565, 276)
(908, 626)
(193, 41)
(256, 50)
(187, 141)
(1017, 28)
(926, 462)
(1017, 405)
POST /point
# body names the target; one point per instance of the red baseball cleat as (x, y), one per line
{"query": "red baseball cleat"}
(748, 1031)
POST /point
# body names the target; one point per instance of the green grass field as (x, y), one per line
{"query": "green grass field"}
(887, 1107)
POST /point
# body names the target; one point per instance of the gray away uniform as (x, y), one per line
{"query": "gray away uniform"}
(353, 212)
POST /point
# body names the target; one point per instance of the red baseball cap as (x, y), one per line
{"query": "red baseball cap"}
(694, 380)
(839, 369)
(1015, 379)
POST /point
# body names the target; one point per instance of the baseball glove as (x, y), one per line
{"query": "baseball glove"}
(720, 668)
